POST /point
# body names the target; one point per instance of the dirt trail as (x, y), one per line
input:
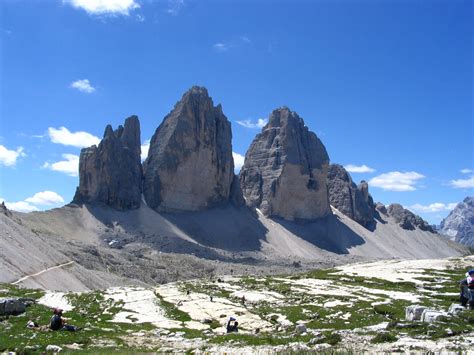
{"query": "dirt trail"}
(41, 272)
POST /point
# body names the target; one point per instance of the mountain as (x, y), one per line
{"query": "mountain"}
(190, 165)
(285, 170)
(459, 224)
(184, 214)
(112, 173)
(352, 200)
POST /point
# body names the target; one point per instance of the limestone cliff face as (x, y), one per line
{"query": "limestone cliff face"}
(354, 201)
(285, 170)
(111, 173)
(459, 224)
(407, 219)
(190, 165)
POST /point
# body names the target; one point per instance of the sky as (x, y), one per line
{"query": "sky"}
(386, 85)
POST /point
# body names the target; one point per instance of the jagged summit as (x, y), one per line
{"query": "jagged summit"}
(190, 165)
(111, 173)
(459, 224)
(285, 170)
(407, 219)
(351, 199)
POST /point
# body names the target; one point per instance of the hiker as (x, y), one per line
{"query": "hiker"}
(232, 325)
(467, 290)
(243, 300)
(212, 299)
(57, 322)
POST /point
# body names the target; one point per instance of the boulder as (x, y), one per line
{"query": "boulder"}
(414, 312)
(12, 306)
(111, 173)
(285, 170)
(53, 348)
(300, 328)
(430, 316)
(190, 165)
(352, 200)
(406, 219)
(455, 309)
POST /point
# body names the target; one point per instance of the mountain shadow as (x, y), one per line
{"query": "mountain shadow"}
(228, 228)
(328, 233)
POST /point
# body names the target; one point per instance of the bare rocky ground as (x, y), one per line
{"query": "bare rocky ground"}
(351, 308)
(124, 277)
(111, 248)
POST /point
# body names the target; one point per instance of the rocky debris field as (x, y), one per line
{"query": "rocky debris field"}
(358, 307)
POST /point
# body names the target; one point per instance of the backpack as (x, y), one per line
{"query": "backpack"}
(56, 322)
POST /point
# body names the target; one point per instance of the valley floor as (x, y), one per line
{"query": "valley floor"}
(355, 307)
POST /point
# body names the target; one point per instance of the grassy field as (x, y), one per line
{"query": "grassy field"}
(358, 311)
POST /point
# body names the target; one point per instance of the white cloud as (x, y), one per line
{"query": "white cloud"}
(21, 206)
(69, 166)
(261, 122)
(238, 161)
(29, 204)
(45, 198)
(83, 85)
(78, 139)
(396, 181)
(224, 46)
(467, 171)
(432, 208)
(105, 7)
(463, 183)
(221, 47)
(10, 157)
(175, 6)
(145, 148)
(358, 168)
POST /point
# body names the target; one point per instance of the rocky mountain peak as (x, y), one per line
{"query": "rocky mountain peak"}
(407, 219)
(111, 173)
(285, 170)
(459, 224)
(351, 199)
(190, 165)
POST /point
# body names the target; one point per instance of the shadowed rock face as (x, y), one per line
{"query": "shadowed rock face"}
(112, 173)
(285, 170)
(354, 201)
(190, 165)
(406, 219)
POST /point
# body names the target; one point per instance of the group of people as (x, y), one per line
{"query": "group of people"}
(467, 290)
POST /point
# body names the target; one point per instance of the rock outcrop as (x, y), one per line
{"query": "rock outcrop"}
(285, 170)
(380, 208)
(354, 201)
(111, 173)
(4, 210)
(190, 165)
(406, 219)
(459, 224)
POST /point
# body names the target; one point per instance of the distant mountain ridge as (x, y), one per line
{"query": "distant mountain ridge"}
(459, 224)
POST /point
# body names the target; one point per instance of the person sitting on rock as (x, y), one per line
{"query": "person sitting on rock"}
(232, 325)
(57, 322)
(467, 290)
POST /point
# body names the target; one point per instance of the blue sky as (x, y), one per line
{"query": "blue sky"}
(385, 84)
